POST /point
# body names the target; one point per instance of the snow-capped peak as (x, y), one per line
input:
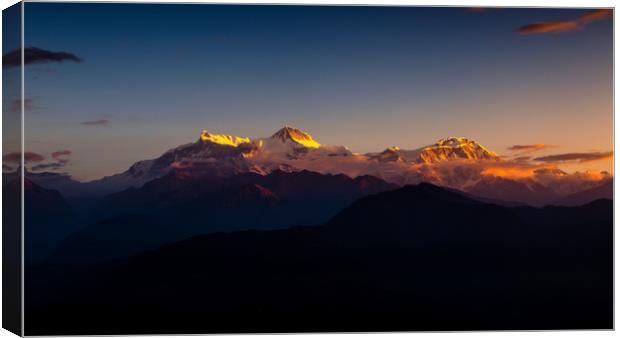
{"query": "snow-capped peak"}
(391, 154)
(227, 140)
(297, 136)
(455, 148)
(291, 149)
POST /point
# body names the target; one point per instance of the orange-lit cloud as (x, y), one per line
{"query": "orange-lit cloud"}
(61, 156)
(549, 27)
(526, 148)
(599, 14)
(59, 160)
(61, 153)
(459, 174)
(28, 157)
(580, 157)
(565, 26)
(513, 172)
(522, 158)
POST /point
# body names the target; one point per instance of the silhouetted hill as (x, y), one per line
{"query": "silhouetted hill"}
(434, 215)
(48, 218)
(503, 189)
(603, 191)
(417, 258)
(180, 187)
(178, 206)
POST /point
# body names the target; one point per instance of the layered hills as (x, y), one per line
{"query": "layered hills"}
(415, 258)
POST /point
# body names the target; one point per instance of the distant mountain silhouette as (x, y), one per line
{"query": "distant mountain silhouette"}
(60, 182)
(178, 206)
(48, 218)
(454, 162)
(417, 258)
(499, 188)
(605, 190)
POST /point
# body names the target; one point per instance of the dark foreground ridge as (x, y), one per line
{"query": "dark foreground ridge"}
(416, 258)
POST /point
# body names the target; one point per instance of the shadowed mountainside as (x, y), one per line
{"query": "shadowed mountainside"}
(605, 190)
(417, 258)
(48, 218)
(178, 206)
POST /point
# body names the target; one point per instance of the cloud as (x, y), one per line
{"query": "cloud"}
(102, 122)
(62, 156)
(16, 105)
(48, 166)
(526, 148)
(567, 183)
(522, 158)
(550, 171)
(565, 26)
(28, 157)
(459, 174)
(36, 55)
(581, 157)
(549, 27)
(599, 14)
(61, 153)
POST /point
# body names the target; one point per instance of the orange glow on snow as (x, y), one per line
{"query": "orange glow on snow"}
(228, 140)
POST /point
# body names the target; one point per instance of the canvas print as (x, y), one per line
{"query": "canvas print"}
(201, 168)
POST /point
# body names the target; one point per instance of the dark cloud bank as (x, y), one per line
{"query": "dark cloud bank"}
(36, 55)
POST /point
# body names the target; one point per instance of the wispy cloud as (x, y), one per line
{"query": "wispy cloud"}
(61, 153)
(521, 158)
(526, 148)
(62, 156)
(48, 166)
(36, 55)
(16, 105)
(580, 157)
(16, 157)
(102, 123)
(567, 25)
(549, 27)
(599, 14)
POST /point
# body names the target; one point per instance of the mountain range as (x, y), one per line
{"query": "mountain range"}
(414, 258)
(453, 162)
(281, 229)
(176, 207)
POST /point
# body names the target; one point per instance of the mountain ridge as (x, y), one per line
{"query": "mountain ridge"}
(455, 162)
(415, 258)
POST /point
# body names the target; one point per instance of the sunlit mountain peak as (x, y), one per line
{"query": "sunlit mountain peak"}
(228, 140)
(390, 154)
(455, 148)
(293, 134)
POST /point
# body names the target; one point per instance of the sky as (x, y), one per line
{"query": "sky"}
(11, 82)
(135, 80)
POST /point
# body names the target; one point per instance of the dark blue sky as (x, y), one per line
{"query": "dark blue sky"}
(365, 77)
